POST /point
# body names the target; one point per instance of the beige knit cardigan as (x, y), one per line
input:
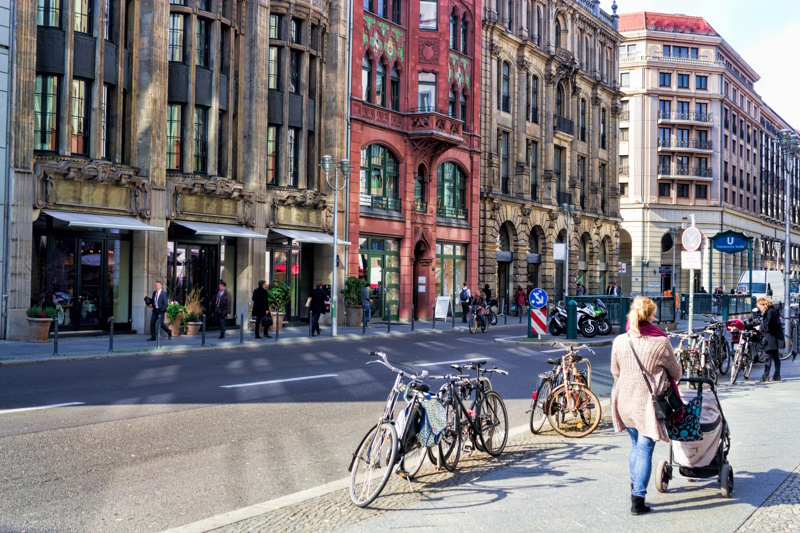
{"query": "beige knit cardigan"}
(631, 403)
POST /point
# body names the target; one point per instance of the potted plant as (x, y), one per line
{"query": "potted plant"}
(174, 317)
(39, 320)
(279, 296)
(352, 300)
(193, 311)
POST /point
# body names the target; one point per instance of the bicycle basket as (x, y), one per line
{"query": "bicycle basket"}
(433, 423)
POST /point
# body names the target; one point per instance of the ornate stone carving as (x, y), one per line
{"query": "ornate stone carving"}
(429, 51)
(384, 40)
(525, 210)
(524, 64)
(494, 49)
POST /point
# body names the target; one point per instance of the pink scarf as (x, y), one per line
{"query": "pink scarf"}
(647, 329)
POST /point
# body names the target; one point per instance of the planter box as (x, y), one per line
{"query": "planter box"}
(355, 315)
(193, 328)
(39, 329)
(175, 325)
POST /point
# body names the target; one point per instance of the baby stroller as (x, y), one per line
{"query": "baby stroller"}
(707, 457)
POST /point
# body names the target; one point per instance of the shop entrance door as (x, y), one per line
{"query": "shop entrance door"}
(197, 265)
(76, 278)
(90, 284)
(503, 279)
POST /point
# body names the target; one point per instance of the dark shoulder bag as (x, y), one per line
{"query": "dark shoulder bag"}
(668, 403)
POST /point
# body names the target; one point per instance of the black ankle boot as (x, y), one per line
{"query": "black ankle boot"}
(637, 506)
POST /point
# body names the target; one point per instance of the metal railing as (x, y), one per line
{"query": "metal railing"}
(618, 307)
(725, 305)
(685, 143)
(380, 202)
(420, 205)
(452, 212)
(689, 115)
(624, 170)
(563, 124)
(625, 115)
(703, 172)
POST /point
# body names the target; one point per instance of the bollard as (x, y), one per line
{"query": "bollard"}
(433, 317)
(310, 324)
(454, 318)
(241, 329)
(277, 321)
(55, 336)
(505, 315)
(412, 317)
(572, 320)
(203, 331)
(158, 336)
(519, 314)
(111, 334)
(388, 320)
(624, 307)
(725, 307)
(363, 323)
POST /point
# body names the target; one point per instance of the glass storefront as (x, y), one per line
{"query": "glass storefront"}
(292, 263)
(86, 275)
(451, 271)
(380, 266)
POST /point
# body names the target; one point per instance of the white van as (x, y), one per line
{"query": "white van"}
(766, 284)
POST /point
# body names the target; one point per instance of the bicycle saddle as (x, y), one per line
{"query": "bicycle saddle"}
(475, 364)
(421, 387)
(456, 367)
(576, 358)
(554, 362)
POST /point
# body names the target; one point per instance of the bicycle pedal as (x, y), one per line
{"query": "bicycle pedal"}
(468, 449)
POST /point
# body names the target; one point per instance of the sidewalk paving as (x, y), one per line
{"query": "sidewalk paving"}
(546, 483)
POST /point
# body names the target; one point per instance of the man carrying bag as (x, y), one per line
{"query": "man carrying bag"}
(261, 309)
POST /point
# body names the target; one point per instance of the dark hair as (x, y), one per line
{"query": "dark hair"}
(261, 282)
(222, 282)
(159, 282)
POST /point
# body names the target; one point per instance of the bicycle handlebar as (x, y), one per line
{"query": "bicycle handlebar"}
(572, 348)
(385, 362)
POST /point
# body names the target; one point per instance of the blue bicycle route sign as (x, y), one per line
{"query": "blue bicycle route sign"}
(538, 298)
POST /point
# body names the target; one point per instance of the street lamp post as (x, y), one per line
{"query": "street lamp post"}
(789, 141)
(327, 165)
(673, 232)
(568, 212)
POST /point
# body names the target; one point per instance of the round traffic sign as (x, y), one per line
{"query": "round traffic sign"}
(692, 239)
(537, 298)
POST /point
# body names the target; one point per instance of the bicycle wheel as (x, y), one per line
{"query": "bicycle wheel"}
(724, 357)
(473, 324)
(372, 464)
(748, 367)
(492, 317)
(492, 422)
(450, 441)
(538, 415)
(737, 364)
(787, 352)
(484, 324)
(573, 411)
(412, 460)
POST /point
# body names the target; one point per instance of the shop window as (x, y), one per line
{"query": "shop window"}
(451, 191)
(451, 270)
(46, 114)
(79, 119)
(49, 13)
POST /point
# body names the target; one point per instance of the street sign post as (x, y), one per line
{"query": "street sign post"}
(537, 318)
(692, 239)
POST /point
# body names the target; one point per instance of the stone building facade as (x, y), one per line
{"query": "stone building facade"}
(415, 144)
(549, 122)
(169, 140)
(696, 138)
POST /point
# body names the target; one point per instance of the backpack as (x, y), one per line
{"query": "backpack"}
(464, 296)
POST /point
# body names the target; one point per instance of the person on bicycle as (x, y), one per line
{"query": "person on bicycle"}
(631, 401)
(773, 337)
(479, 304)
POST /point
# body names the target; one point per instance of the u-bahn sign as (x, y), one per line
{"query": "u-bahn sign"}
(730, 242)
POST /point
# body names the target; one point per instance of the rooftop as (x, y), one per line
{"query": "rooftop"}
(646, 20)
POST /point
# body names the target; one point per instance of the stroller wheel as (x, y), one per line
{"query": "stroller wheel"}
(663, 475)
(726, 480)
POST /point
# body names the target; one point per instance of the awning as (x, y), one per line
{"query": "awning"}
(81, 220)
(220, 230)
(505, 257)
(314, 237)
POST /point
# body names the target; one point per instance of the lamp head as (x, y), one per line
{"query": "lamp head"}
(326, 163)
(344, 166)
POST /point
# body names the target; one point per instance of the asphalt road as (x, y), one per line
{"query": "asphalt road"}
(158, 442)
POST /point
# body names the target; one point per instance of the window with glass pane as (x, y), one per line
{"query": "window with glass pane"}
(506, 87)
(79, 120)
(380, 85)
(560, 100)
(46, 114)
(200, 139)
(380, 173)
(176, 37)
(683, 109)
(83, 16)
(464, 35)
(664, 79)
(557, 155)
(427, 91)
(294, 71)
(419, 190)
(534, 99)
(701, 109)
(534, 159)
(274, 26)
(293, 148)
(603, 129)
(107, 20)
(683, 81)
(664, 108)
(664, 189)
(463, 109)
(49, 13)
(395, 89)
(428, 15)
(274, 68)
(451, 191)
(701, 82)
(366, 80)
(202, 43)
(202, 5)
(701, 191)
(453, 31)
(396, 11)
(682, 190)
(295, 31)
(174, 127)
(603, 191)
(104, 122)
(451, 104)
(272, 155)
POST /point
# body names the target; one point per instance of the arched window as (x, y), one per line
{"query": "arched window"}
(602, 265)
(583, 252)
(557, 36)
(366, 80)
(510, 8)
(533, 262)
(504, 239)
(587, 51)
(453, 31)
(380, 173)
(603, 128)
(535, 99)
(560, 100)
(380, 85)
(451, 188)
(464, 35)
(420, 205)
(582, 120)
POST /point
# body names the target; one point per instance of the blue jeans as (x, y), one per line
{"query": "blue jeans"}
(640, 461)
(366, 310)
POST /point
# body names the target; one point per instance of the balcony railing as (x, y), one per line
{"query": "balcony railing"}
(624, 170)
(380, 202)
(563, 124)
(688, 116)
(563, 198)
(703, 172)
(685, 170)
(428, 120)
(663, 170)
(452, 212)
(629, 58)
(625, 115)
(685, 143)
(420, 205)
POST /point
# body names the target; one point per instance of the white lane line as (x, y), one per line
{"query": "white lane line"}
(456, 361)
(277, 381)
(553, 351)
(21, 409)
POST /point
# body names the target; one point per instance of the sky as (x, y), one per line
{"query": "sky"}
(765, 33)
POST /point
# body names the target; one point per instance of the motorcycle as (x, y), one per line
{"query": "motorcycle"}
(587, 324)
(599, 312)
(558, 321)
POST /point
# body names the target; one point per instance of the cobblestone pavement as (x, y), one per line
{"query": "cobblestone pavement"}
(334, 511)
(781, 511)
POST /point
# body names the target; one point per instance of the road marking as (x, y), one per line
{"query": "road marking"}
(21, 409)
(277, 381)
(553, 351)
(456, 361)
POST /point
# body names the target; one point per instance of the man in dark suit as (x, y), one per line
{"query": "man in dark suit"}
(318, 297)
(159, 305)
(261, 307)
(222, 304)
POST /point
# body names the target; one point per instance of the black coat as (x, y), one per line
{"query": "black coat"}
(260, 301)
(318, 298)
(161, 304)
(773, 330)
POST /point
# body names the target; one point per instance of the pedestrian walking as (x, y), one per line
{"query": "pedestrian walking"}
(365, 306)
(159, 305)
(464, 297)
(261, 308)
(317, 306)
(643, 353)
(487, 291)
(580, 290)
(773, 337)
(222, 306)
(520, 299)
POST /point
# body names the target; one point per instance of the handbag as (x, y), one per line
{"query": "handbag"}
(267, 321)
(687, 429)
(308, 302)
(668, 403)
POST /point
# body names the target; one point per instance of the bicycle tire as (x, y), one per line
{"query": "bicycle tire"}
(748, 368)
(492, 317)
(588, 405)
(724, 357)
(786, 353)
(490, 413)
(411, 463)
(485, 324)
(737, 363)
(450, 441)
(538, 416)
(374, 441)
(472, 323)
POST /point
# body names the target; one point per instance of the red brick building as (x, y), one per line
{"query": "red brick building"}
(415, 151)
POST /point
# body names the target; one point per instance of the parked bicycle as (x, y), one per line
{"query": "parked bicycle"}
(482, 426)
(718, 348)
(382, 451)
(563, 396)
(747, 349)
(490, 314)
